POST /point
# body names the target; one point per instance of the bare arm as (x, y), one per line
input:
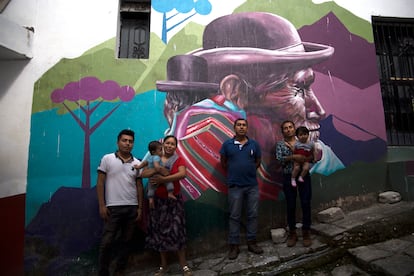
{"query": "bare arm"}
(296, 158)
(100, 189)
(157, 166)
(142, 165)
(160, 169)
(158, 179)
(148, 172)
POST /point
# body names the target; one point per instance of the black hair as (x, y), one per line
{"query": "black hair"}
(153, 145)
(241, 119)
(302, 130)
(170, 136)
(285, 122)
(126, 132)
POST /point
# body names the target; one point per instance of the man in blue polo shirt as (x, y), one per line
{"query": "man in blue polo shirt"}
(240, 157)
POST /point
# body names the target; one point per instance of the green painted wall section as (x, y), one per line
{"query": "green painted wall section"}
(302, 13)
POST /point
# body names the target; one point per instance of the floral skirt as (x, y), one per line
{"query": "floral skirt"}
(166, 226)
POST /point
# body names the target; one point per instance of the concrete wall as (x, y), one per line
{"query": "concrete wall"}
(61, 39)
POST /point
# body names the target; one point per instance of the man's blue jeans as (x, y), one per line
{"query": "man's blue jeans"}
(239, 197)
(305, 193)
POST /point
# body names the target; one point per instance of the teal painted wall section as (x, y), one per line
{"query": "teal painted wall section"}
(59, 140)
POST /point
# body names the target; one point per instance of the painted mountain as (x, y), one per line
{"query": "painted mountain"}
(354, 58)
(352, 133)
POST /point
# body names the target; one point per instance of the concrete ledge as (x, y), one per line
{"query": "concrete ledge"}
(15, 40)
(330, 215)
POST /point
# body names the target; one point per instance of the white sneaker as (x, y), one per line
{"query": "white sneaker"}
(187, 271)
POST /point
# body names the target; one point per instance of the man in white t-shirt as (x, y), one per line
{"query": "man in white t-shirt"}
(120, 197)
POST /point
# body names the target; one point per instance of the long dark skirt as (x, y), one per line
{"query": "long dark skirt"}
(166, 227)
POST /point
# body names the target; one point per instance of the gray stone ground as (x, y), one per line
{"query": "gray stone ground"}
(378, 240)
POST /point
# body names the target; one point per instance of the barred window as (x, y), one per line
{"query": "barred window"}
(394, 43)
(134, 30)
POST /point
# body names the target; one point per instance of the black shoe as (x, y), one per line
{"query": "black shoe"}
(234, 251)
(253, 247)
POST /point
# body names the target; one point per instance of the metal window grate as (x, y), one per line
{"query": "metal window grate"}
(134, 33)
(394, 43)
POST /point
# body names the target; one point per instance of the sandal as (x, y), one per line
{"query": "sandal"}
(187, 271)
(161, 271)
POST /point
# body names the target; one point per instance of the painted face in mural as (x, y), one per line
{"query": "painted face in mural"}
(255, 66)
(276, 98)
(292, 99)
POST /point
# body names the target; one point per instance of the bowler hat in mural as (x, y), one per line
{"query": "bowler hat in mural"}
(187, 73)
(256, 43)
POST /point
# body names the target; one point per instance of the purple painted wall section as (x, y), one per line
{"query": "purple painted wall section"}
(354, 59)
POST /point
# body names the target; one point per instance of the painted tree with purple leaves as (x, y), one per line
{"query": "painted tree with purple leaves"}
(88, 94)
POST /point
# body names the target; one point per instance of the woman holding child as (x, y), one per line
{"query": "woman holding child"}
(286, 157)
(166, 228)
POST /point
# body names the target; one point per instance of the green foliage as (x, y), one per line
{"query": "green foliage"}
(101, 62)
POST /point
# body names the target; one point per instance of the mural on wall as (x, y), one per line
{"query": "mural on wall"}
(177, 7)
(264, 66)
(88, 90)
(263, 73)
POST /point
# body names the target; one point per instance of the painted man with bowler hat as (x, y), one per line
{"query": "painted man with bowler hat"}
(201, 116)
(252, 65)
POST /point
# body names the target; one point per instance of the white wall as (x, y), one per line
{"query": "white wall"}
(61, 29)
(67, 29)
